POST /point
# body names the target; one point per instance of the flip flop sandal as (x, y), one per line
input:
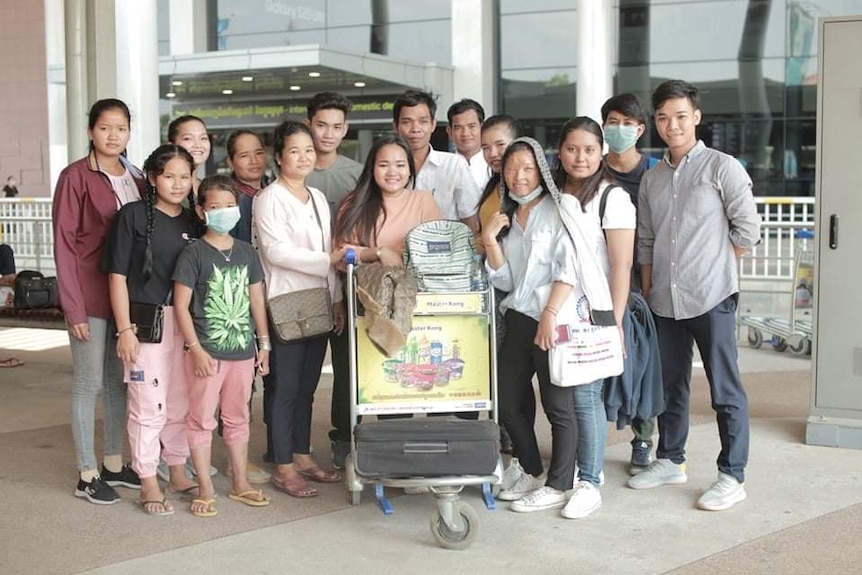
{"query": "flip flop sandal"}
(296, 487)
(317, 474)
(252, 498)
(11, 362)
(149, 511)
(210, 511)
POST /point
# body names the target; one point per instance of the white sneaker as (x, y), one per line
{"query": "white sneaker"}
(511, 475)
(723, 494)
(659, 472)
(539, 500)
(525, 484)
(586, 499)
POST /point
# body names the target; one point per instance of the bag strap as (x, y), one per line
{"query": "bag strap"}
(319, 225)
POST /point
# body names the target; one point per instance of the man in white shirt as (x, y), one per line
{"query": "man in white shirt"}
(465, 130)
(446, 175)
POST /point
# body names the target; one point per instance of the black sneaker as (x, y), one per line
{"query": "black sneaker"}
(125, 477)
(340, 451)
(641, 457)
(97, 491)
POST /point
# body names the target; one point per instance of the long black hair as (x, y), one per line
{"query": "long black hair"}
(153, 167)
(359, 211)
(511, 124)
(590, 187)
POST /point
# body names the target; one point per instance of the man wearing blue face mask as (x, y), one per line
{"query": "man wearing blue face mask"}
(624, 121)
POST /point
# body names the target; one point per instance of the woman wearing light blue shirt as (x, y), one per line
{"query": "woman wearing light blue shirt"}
(528, 251)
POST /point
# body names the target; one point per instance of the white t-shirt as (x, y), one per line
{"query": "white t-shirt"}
(125, 187)
(620, 214)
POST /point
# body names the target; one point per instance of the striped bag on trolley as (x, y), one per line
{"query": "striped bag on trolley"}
(440, 254)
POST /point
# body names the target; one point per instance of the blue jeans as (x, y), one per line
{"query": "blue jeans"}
(592, 430)
(715, 335)
(96, 367)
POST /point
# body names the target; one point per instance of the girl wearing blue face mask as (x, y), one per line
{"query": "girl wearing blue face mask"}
(145, 240)
(291, 228)
(219, 306)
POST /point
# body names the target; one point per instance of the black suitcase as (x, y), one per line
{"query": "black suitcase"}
(426, 447)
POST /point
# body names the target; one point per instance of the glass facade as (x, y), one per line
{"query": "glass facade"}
(417, 31)
(755, 62)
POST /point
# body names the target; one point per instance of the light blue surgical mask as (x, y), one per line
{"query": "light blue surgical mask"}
(620, 137)
(223, 220)
(521, 200)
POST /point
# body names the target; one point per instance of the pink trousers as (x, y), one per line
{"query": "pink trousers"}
(229, 389)
(158, 401)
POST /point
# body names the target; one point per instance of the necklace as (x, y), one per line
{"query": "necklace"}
(221, 251)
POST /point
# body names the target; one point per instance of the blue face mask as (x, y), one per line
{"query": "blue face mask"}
(521, 200)
(222, 221)
(620, 138)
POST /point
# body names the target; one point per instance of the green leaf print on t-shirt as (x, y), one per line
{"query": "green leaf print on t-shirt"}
(227, 308)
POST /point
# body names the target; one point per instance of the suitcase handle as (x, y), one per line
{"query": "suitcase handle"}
(426, 447)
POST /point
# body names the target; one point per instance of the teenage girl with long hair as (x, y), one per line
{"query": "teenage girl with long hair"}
(146, 239)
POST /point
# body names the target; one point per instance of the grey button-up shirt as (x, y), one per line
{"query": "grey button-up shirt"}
(689, 219)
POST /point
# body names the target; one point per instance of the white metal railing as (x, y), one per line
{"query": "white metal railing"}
(25, 224)
(774, 258)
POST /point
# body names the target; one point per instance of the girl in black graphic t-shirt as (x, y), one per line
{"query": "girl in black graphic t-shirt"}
(146, 238)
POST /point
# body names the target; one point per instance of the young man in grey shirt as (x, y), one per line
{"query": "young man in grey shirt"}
(336, 176)
(696, 217)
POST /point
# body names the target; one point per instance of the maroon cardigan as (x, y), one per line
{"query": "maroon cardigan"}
(84, 207)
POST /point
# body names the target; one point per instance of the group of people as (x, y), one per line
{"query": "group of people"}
(208, 254)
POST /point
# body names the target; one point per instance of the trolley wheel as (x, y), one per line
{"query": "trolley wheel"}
(449, 539)
(800, 346)
(778, 343)
(755, 337)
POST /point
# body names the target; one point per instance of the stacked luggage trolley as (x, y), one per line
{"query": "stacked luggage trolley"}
(792, 334)
(447, 365)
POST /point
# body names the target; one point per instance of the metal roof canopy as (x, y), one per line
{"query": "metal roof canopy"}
(290, 75)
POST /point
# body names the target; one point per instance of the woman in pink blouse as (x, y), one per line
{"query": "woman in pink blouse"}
(376, 216)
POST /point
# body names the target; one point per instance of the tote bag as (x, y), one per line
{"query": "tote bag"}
(584, 352)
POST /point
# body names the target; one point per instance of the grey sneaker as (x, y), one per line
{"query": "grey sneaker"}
(511, 475)
(659, 472)
(641, 457)
(724, 493)
(525, 484)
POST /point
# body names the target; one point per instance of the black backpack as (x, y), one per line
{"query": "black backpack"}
(35, 291)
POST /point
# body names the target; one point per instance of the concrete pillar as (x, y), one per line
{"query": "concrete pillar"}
(101, 50)
(77, 99)
(137, 69)
(595, 57)
(473, 52)
(188, 26)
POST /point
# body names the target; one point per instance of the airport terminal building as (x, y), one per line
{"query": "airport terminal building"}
(250, 63)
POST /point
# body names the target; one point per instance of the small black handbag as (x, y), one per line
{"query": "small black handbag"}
(149, 321)
(35, 291)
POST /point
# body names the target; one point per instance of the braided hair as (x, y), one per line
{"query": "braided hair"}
(154, 166)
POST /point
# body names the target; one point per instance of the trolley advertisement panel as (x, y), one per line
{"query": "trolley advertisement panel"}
(445, 365)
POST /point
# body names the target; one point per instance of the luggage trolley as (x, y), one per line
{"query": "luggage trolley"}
(447, 365)
(794, 334)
